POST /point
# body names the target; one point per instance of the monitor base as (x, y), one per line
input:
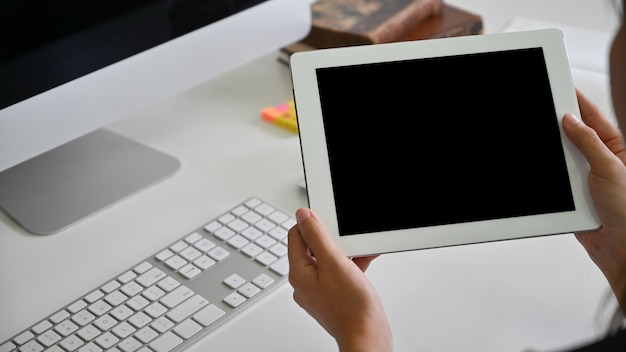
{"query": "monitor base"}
(52, 191)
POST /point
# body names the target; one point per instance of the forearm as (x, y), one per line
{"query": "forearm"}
(610, 257)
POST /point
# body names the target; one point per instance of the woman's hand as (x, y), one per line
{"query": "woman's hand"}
(334, 290)
(602, 144)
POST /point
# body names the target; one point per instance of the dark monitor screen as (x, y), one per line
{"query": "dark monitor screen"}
(44, 44)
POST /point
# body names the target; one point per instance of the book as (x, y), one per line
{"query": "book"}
(451, 21)
(337, 23)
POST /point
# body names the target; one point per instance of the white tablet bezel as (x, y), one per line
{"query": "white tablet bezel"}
(316, 162)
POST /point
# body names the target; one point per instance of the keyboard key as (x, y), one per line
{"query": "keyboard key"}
(281, 266)
(265, 225)
(31, 346)
(208, 315)
(251, 233)
(107, 340)
(88, 333)
(251, 217)
(226, 218)
(178, 246)
(77, 306)
(49, 338)
(264, 209)
(153, 293)
(218, 253)
(248, 290)
(41, 327)
(132, 288)
(204, 245)
(99, 307)
(164, 254)
(266, 258)
(150, 277)
(175, 262)
(234, 281)
(123, 330)
(66, 327)
(142, 268)
(59, 316)
(190, 253)
(168, 284)
(146, 335)
(105, 322)
(278, 217)
(83, 317)
(193, 237)
(126, 277)
(175, 297)
(189, 271)
(204, 262)
(115, 298)
(252, 250)
(7, 347)
(162, 324)
(253, 202)
(137, 302)
(263, 281)
(90, 347)
(130, 345)
(187, 329)
(155, 310)
(212, 226)
(122, 312)
(223, 233)
(140, 320)
(234, 299)
(71, 343)
(166, 342)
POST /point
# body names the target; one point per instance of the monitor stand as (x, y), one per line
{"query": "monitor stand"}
(52, 191)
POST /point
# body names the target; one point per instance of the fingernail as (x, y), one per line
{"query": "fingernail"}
(303, 214)
(573, 117)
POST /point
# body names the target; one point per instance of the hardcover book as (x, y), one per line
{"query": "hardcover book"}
(451, 21)
(337, 23)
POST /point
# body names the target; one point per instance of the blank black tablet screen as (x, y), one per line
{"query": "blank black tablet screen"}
(443, 140)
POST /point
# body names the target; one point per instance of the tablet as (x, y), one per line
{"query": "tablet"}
(441, 142)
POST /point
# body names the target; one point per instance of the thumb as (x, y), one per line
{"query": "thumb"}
(586, 139)
(315, 235)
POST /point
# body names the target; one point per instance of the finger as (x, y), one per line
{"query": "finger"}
(315, 235)
(364, 262)
(302, 266)
(297, 250)
(587, 140)
(593, 117)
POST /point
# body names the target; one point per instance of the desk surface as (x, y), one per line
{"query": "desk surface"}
(509, 296)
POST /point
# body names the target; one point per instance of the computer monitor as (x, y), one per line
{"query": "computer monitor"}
(69, 68)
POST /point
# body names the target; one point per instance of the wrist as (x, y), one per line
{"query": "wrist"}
(378, 339)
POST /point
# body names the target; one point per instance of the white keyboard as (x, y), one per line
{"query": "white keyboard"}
(173, 298)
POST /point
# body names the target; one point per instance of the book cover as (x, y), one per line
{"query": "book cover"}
(451, 21)
(337, 23)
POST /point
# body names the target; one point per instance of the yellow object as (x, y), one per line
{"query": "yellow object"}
(282, 115)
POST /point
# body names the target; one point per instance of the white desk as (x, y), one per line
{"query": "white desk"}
(537, 293)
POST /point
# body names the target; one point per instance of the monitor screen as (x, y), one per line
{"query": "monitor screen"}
(69, 68)
(45, 45)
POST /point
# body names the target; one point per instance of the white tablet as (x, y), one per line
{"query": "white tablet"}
(441, 142)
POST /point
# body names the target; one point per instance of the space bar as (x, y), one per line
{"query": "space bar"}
(166, 342)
